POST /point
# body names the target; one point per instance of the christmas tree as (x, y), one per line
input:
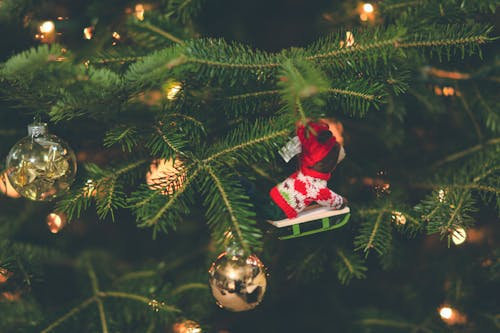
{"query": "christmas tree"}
(179, 113)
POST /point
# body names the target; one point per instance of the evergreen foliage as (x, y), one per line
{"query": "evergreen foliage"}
(236, 107)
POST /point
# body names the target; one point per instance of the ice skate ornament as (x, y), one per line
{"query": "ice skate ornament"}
(295, 195)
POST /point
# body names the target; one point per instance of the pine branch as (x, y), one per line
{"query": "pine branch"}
(226, 198)
(349, 266)
(151, 208)
(185, 10)
(374, 234)
(124, 135)
(466, 152)
(74, 311)
(95, 289)
(247, 141)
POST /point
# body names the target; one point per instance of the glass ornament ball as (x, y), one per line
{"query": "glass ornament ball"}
(41, 166)
(238, 283)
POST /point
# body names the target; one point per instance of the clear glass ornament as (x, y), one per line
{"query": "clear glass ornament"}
(41, 166)
(238, 283)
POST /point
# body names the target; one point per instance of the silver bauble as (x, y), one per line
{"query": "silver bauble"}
(238, 283)
(41, 166)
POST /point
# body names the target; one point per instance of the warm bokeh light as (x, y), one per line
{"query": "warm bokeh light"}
(187, 326)
(139, 11)
(459, 236)
(398, 218)
(10, 296)
(116, 35)
(47, 32)
(349, 39)
(366, 12)
(47, 27)
(451, 316)
(165, 175)
(56, 222)
(6, 188)
(4, 275)
(156, 305)
(368, 7)
(442, 195)
(88, 32)
(336, 128)
(446, 312)
(172, 89)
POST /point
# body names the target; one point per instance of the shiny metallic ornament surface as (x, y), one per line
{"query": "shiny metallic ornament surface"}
(238, 283)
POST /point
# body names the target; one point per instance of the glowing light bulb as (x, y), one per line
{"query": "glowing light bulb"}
(452, 316)
(139, 11)
(187, 326)
(442, 195)
(349, 39)
(4, 275)
(56, 222)
(88, 32)
(47, 27)
(459, 236)
(446, 312)
(368, 7)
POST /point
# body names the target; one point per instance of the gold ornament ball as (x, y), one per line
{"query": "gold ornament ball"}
(238, 283)
(187, 326)
(41, 166)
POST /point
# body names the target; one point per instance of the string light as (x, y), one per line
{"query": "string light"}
(47, 32)
(368, 7)
(459, 236)
(349, 40)
(88, 32)
(47, 27)
(446, 91)
(55, 222)
(451, 316)
(116, 36)
(4, 275)
(10, 296)
(442, 195)
(155, 305)
(139, 11)
(398, 218)
(187, 326)
(446, 312)
(366, 12)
